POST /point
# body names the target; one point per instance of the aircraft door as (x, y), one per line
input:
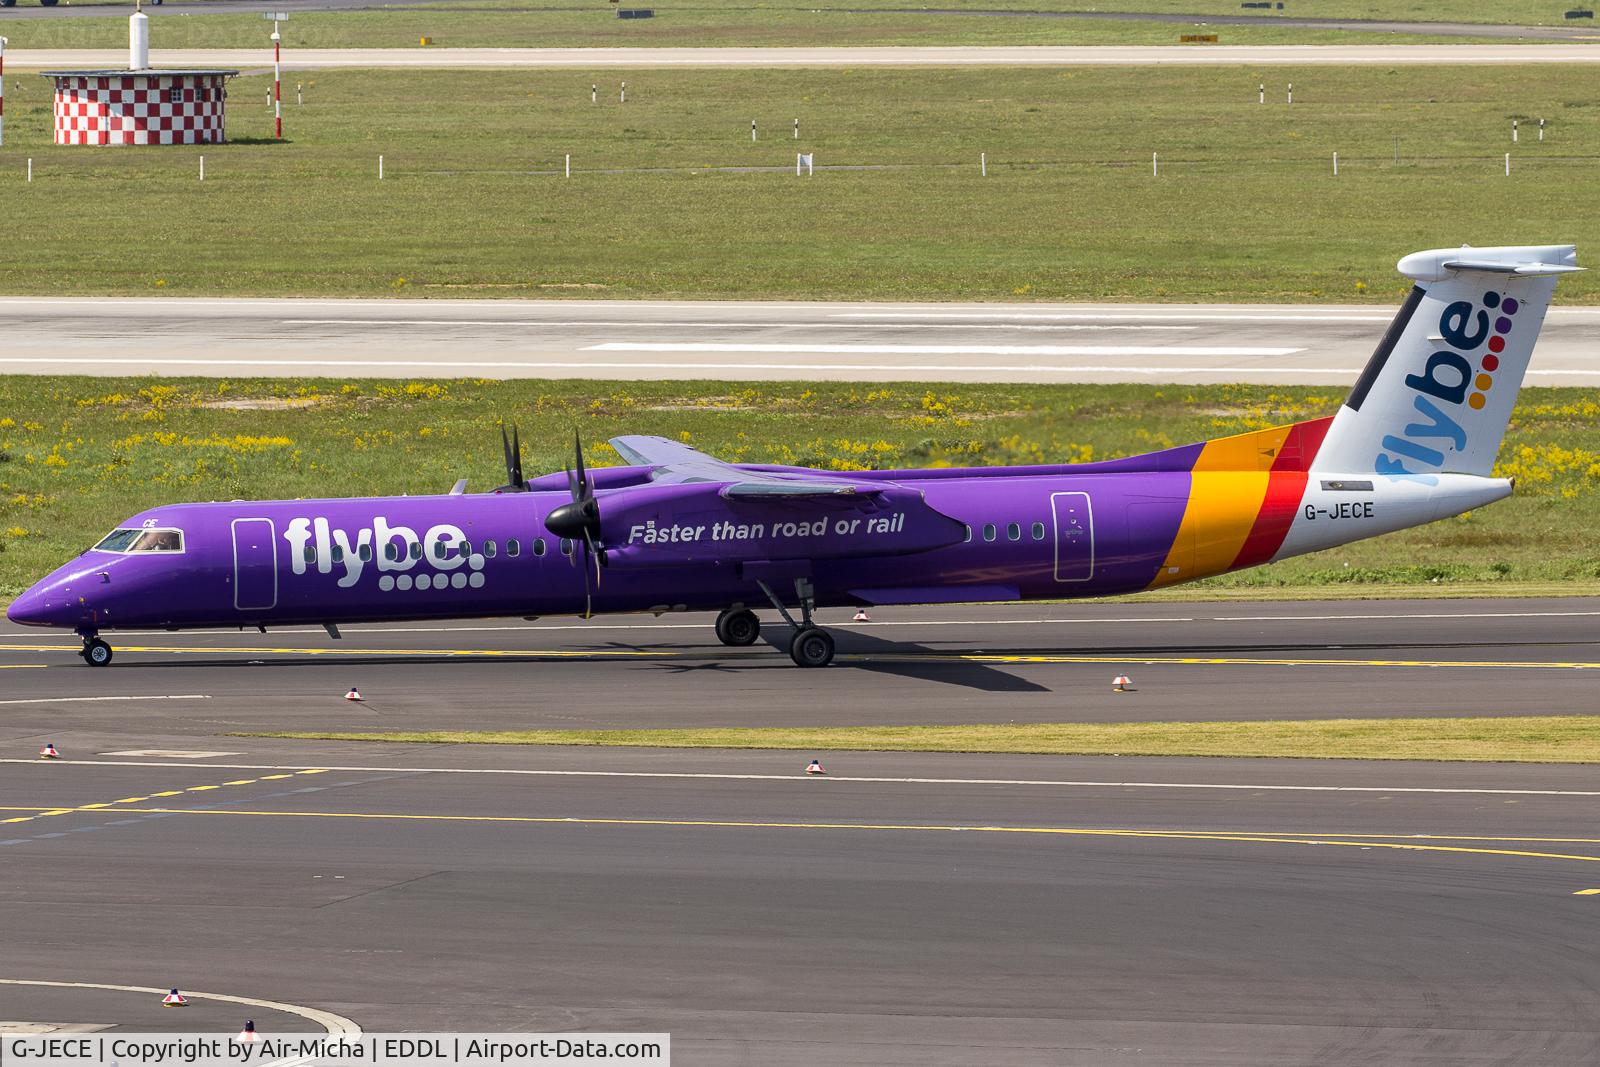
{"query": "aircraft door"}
(255, 565)
(1074, 522)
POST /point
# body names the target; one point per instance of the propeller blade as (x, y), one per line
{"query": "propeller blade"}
(516, 452)
(577, 449)
(589, 547)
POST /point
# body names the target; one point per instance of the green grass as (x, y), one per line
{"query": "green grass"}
(1244, 209)
(1531, 739)
(78, 455)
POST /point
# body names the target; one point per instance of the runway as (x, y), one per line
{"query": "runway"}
(885, 56)
(632, 340)
(908, 908)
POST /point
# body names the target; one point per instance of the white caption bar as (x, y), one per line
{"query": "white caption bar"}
(254, 1048)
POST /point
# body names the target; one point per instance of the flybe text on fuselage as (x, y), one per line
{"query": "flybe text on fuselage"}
(393, 550)
(1448, 377)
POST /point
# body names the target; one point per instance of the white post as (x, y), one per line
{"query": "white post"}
(277, 83)
(752, 129)
(1155, 166)
(594, 94)
(569, 164)
(380, 168)
(1513, 131)
(1261, 93)
(30, 168)
(1336, 164)
(138, 41)
(202, 168)
(622, 97)
(796, 129)
(1508, 164)
(797, 164)
(983, 164)
(2, 92)
(811, 166)
(299, 93)
(1541, 131)
(1291, 92)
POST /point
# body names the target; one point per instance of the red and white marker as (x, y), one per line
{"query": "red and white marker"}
(49, 751)
(861, 616)
(249, 1031)
(1121, 684)
(815, 767)
(354, 694)
(174, 999)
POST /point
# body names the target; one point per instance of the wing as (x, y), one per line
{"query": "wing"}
(678, 464)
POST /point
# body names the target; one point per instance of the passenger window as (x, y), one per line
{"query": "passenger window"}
(566, 546)
(966, 534)
(364, 553)
(311, 553)
(513, 546)
(988, 531)
(538, 546)
(1038, 531)
(489, 549)
(1014, 532)
(391, 552)
(416, 550)
(338, 554)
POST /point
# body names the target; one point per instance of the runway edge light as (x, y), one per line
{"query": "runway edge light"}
(861, 616)
(1122, 684)
(174, 999)
(815, 767)
(49, 751)
(354, 694)
(249, 1031)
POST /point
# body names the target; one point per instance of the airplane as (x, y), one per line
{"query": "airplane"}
(675, 529)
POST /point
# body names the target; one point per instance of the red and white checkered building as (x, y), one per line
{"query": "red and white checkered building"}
(117, 107)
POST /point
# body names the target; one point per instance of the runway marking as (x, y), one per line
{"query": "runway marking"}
(256, 650)
(1110, 316)
(797, 348)
(1243, 661)
(1409, 615)
(1586, 892)
(822, 782)
(89, 700)
(136, 800)
(748, 325)
(333, 1024)
(1240, 837)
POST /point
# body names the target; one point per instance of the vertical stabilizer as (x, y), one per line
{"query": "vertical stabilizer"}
(1438, 392)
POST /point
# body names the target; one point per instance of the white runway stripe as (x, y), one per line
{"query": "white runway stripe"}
(1049, 782)
(98, 700)
(744, 325)
(1110, 316)
(936, 350)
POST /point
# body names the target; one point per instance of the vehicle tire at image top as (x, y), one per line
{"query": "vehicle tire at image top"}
(97, 653)
(812, 648)
(8, 3)
(47, 3)
(738, 628)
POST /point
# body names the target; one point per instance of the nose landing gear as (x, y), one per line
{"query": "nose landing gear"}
(96, 653)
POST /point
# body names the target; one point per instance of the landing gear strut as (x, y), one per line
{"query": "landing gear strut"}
(738, 626)
(96, 653)
(810, 646)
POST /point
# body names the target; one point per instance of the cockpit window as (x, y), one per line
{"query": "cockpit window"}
(142, 541)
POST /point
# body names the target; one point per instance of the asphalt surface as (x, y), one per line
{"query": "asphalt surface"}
(1576, 31)
(884, 56)
(907, 908)
(1311, 344)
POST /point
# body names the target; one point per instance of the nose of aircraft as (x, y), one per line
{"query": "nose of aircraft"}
(30, 609)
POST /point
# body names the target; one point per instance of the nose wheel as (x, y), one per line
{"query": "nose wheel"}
(96, 653)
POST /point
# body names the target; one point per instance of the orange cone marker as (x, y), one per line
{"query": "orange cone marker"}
(861, 616)
(353, 694)
(49, 751)
(249, 1031)
(174, 999)
(1121, 684)
(815, 767)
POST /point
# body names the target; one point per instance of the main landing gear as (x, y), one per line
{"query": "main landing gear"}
(738, 626)
(810, 646)
(96, 653)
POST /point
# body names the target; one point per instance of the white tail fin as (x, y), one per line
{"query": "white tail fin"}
(1437, 394)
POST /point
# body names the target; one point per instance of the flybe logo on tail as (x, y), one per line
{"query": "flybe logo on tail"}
(1448, 380)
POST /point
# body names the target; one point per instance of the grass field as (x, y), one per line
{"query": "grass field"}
(1245, 207)
(1531, 739)
(78, 455)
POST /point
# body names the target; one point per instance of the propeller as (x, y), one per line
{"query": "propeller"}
(513, 451)
(579, 521)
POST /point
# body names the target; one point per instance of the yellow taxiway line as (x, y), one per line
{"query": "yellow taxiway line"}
(255, 650)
